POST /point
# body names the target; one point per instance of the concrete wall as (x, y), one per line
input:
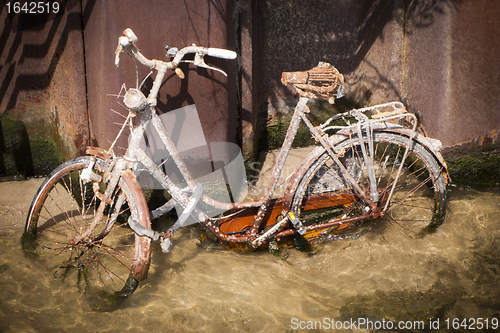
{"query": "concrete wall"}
(57, 76)
(453, 71)
(361, 38)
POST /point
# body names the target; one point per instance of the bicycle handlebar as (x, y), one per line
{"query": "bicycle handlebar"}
(221, 53)
(129, 39)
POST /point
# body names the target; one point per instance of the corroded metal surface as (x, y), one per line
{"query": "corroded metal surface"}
(42, 89)
(139, 269)
(323, 81)
(300, 109)
(158, 23)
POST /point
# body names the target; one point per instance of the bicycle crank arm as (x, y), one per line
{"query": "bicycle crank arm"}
(166, 244)
(259, 240)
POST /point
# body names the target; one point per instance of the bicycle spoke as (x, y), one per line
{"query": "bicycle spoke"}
(415, 198)
(103, 259)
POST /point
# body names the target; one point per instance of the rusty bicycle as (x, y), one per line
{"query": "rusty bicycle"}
(90, 223)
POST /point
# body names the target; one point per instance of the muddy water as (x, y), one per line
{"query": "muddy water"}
(386, 275)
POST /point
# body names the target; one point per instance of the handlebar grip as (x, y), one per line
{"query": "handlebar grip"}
(132, 38)
(122, 42)
(221, 53)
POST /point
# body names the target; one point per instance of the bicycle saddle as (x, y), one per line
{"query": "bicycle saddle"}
(323, 81)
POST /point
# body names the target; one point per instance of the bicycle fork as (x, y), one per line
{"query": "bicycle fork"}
(87, 176)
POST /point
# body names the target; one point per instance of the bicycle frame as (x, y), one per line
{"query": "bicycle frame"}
(134, 152)
(146, 110)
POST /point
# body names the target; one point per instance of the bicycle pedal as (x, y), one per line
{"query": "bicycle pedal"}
(166, 245)
(297, 224)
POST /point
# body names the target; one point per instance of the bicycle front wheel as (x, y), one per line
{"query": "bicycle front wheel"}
(418, 200)
(111, 259)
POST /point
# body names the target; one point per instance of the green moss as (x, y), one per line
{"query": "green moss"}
(480, 170)
(8, 165)
(12, 131)
(276, 131)
(321, 111)
(45, 155)
(27, 149)
(155, 197)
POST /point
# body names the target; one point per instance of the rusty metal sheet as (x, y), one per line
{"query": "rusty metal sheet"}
(157, 23)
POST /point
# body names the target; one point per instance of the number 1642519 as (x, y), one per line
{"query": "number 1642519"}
(33, 7)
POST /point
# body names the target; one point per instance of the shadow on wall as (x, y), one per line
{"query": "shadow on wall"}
(182, 23)
(423, 13)
(44, 154)
(25, 99)
(23, 22)
(297, 34)
(338, 32)
(14, 143)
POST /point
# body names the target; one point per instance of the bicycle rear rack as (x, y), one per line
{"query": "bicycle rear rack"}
(380, 113)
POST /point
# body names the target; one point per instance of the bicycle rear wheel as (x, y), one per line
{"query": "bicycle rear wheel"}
(418, 201)
(112, 258)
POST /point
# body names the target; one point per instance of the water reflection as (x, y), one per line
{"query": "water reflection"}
(387, 274)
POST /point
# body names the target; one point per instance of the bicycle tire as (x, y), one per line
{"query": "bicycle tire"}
(112, 262)
(418, 203)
